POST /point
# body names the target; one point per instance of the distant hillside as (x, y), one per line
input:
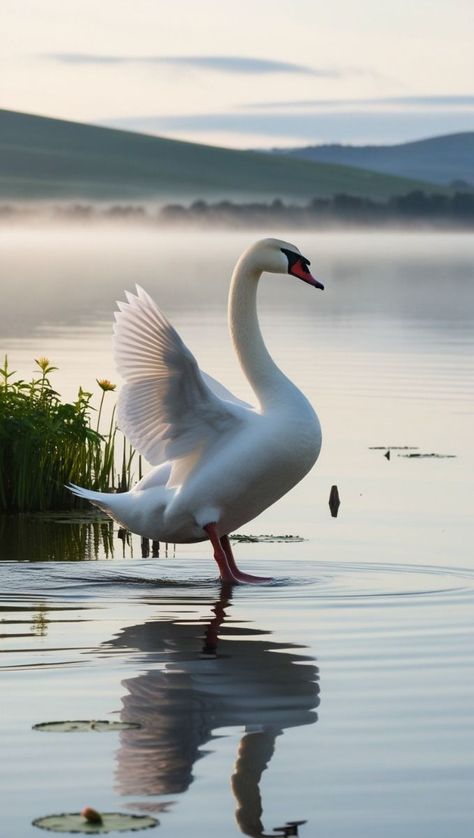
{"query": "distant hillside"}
(43, 158)
(438, 160)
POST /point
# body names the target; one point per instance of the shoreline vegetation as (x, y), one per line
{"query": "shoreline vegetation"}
(46, 443)
(428, 210)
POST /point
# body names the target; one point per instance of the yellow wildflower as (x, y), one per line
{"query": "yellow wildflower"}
(42, 362)
(105, 384)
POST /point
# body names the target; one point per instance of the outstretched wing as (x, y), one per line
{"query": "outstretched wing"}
(166, 408)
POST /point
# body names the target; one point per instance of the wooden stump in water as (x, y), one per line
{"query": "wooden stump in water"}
(334, 501)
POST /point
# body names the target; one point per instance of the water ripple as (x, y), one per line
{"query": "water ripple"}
(325, 582)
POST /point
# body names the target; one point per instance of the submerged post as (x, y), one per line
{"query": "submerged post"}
(334, 501)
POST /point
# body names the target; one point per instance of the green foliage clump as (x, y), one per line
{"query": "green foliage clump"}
(46, 443)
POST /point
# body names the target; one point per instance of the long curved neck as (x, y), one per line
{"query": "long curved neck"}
(267, 381)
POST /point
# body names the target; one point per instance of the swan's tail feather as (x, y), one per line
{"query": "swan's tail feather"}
(100, 499)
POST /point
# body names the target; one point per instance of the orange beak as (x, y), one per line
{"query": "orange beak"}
(300, 270)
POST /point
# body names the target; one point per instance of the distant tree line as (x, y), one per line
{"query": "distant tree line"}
(451, 210)
(455, 210)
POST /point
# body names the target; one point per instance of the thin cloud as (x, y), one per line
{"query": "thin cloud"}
(435, 101)
(330, 126)
(217, 63)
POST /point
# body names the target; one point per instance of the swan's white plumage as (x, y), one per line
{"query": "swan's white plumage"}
(167, 408)
(218, 460)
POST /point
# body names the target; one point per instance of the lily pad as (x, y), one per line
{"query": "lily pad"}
(268, 539)
(111, 822)
(393, 447)
(433, 455)
(81, 726)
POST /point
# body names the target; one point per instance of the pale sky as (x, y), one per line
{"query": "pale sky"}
(247, 73)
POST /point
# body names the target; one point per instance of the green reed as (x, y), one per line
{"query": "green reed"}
(46, 443)
(57, 536)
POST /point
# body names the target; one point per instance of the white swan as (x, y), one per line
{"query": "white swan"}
(219, 461)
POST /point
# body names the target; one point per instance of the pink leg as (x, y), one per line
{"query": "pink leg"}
(225, 570)
(225, 559)
(242, 577)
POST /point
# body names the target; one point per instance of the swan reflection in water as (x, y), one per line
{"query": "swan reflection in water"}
(205, 677)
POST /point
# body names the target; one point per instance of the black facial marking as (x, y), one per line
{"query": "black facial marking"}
(293, 258)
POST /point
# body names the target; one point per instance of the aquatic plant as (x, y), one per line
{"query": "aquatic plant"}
(57, 536)
(46, 443)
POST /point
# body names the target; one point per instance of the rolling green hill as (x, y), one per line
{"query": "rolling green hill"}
(437, 159)
(42, 158)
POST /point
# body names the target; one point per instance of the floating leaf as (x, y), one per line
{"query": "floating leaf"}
(393, 447)
(269, 539)
(81, 726)
(429, 456)
(111, 822)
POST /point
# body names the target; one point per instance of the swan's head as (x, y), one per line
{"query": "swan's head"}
(280, 257)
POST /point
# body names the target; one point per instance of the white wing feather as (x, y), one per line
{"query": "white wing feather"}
(168, 409)
(222, 392)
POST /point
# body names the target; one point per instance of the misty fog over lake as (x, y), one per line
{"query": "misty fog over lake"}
(354, 669)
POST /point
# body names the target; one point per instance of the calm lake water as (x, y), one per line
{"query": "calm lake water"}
(342, 694)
